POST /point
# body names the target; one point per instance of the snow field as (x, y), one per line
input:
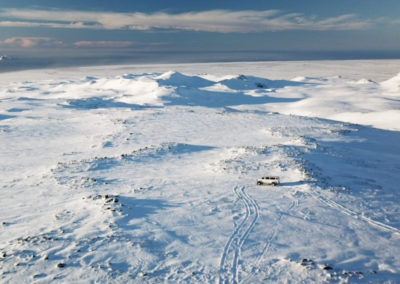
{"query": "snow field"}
(151, 178)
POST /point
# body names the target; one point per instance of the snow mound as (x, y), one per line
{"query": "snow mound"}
(365, 81)
(362, 101)
(126, 90)
(242, 82)
(393, 84)
(301, 79)
(180, 80)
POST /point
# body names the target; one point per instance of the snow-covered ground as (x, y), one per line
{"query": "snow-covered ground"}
(138, 174)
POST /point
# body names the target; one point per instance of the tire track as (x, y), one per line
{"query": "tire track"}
(353, 214)
(229, 272)
(254, 211)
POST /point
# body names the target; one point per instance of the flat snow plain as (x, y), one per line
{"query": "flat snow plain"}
(138, 174)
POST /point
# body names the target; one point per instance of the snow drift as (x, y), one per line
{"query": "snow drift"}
(392, 85)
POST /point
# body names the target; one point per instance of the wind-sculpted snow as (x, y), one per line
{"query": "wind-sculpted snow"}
(151, 178)
(171, 88)
(393, 85)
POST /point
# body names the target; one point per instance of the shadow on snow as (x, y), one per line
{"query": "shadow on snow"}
(191, 91)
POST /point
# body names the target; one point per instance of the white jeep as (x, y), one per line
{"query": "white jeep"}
(269, 180)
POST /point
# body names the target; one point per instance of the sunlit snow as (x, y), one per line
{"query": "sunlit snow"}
(149, 175)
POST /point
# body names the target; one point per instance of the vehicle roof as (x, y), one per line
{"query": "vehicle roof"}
(274, 177)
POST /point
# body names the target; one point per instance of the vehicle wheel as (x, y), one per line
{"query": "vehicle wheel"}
(274, 184)
(259, 183)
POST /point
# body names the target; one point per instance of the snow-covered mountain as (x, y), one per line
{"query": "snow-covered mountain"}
(151, 177)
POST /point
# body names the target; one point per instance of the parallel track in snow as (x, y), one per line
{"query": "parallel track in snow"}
(229, 272)
(353, 214)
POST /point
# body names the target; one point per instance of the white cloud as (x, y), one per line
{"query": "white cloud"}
(28, 42)
(103, 43)
(221, 21)
(21, 24)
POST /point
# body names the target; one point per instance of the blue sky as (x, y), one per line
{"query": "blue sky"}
(123, 27)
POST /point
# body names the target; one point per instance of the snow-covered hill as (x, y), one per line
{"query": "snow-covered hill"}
(150, 177)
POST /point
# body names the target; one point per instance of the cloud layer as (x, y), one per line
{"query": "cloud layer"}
(104, 43)
(221, 21)
(28, 42)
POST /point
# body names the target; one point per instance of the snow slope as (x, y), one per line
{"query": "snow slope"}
(150, 177)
